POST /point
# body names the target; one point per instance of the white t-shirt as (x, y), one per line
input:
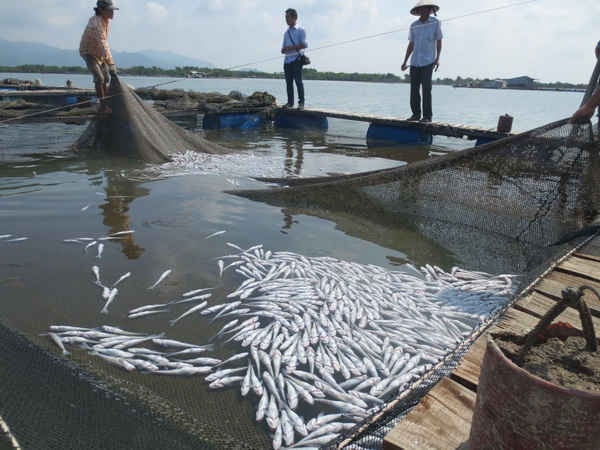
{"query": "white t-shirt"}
(424, 36)
(298, 37)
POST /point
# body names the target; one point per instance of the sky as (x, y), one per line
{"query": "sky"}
(549, 40)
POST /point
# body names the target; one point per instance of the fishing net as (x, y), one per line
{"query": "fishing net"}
(135, 129)
(515, 205)
(497, 208)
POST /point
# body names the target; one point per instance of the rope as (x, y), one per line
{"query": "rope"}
(316, 49)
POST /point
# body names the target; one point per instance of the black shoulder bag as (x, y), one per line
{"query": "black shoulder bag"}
(305, 60)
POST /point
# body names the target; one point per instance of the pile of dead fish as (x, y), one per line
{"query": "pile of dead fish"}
(341, 336)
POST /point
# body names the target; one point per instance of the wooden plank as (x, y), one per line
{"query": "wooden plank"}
(539, 304)
(441, 421)
(467, 372)
(554, 284)
(443, 129)
(582, 267)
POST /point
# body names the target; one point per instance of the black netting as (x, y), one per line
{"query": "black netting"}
(518, 204)
(497, 208)
(135, 128)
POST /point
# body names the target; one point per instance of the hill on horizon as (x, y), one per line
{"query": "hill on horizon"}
(21, 53)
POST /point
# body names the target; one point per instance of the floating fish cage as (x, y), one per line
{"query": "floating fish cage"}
(290, 350)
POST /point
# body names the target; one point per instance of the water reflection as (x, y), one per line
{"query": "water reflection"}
(293, 165)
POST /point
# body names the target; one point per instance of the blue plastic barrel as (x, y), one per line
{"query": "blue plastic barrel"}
(385, 135)
(301, 121)
(242, 121)
(70, 100)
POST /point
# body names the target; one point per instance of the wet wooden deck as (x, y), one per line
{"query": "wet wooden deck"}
(442, 420)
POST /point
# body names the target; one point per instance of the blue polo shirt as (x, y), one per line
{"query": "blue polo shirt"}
(298, 35)
(424, 36)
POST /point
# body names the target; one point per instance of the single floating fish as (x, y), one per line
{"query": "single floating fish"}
(161, 278)
(18, 239)
(100, 250)
(85, 208)
(123, 278)
(5, 236)
(111, 297)
(218, 233)
(91, 244)
(122, 233)
(96, 271)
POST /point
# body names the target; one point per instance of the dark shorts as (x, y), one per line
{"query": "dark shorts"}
(98, 69)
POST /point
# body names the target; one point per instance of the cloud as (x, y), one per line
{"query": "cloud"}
(156, 12)
(542, 39)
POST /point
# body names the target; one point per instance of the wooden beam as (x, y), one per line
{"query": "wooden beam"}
(441, 421)
(581, 267)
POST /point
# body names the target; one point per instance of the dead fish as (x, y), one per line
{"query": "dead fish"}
(197, 291)
(22, 239)
(161, 278)
(147, 313)
(85, 208)
(218, 233)
(91, 244)
(100, 250)
(58, 342)
(5, 236)
(122, 233)
(123, 278)
(111, 297)
(188, 312)
(96, 271)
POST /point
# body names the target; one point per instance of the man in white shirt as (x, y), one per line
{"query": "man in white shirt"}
(425, 45)
(294, 42)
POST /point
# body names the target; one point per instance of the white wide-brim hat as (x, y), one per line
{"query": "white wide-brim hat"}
(422, 3)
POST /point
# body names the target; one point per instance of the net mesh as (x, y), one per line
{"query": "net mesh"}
(496, 207)
(134, 128)
(517, 204)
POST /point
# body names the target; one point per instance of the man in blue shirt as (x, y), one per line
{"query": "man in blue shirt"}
(425, 45)
(294, 42)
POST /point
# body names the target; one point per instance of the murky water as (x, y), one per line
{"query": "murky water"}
(49, 194)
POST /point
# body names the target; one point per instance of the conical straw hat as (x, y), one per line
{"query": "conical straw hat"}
(421, 3)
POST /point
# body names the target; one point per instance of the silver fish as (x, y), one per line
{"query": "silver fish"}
(197, 291)
(188, 312)
(122, 233)
(224, 382)
(100, 250)
(123, 278)
(161, 278)
(96, 271)
(218, 233)
(113, 294)
(147, 313)
(57, 340)
(91, 244)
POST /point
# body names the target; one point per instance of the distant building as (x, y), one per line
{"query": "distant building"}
(520, 82)
(196, 74)
(492, 84)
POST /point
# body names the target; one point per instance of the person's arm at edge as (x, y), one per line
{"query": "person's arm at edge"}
(598, 51)
(586, 111)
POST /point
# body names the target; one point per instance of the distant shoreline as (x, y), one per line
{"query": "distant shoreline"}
(309, 74)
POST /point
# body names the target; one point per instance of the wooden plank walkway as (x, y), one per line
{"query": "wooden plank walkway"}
(442, 420)
(437, 128)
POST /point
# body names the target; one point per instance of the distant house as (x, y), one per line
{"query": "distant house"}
(492, 84)
(196, 74)
(523, 82)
